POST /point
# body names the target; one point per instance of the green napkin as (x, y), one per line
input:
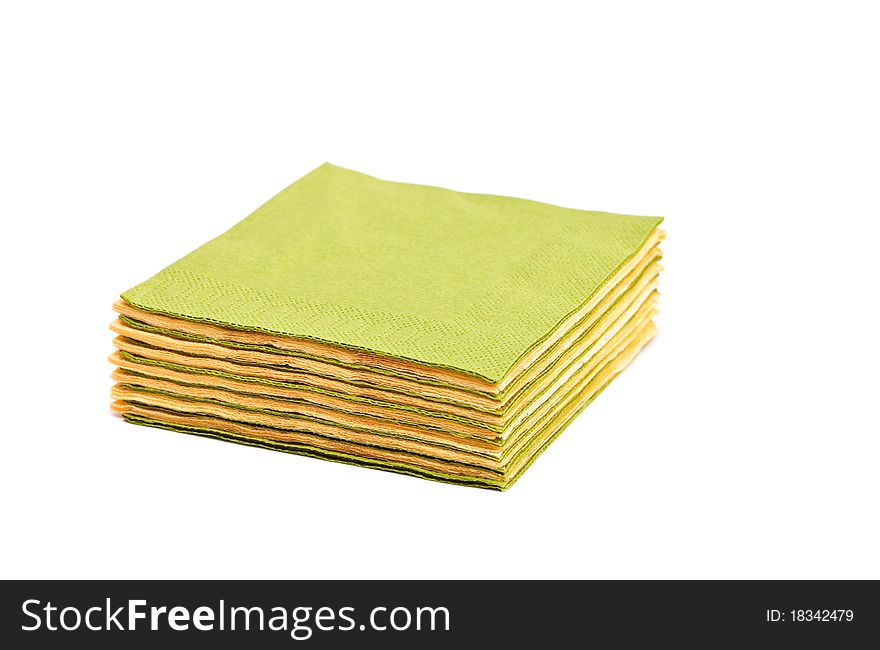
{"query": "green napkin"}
(469, 282)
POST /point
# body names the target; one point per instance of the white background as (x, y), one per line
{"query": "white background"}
(743, 443)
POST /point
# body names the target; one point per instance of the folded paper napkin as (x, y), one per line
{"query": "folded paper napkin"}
(403, 327)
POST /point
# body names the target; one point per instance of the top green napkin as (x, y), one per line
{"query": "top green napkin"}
(463, 281)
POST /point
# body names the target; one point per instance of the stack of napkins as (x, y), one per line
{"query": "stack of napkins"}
(408, 328)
